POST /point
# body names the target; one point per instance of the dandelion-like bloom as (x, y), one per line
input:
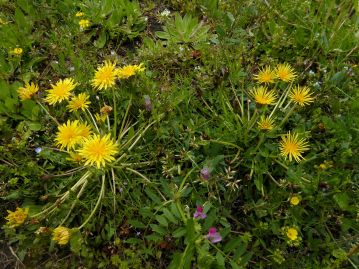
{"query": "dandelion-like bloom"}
(84, 130)
(263, 96)
(292, 234)
(28, 91)
(301, 96)
(129, 70)
(294, 200)
(292, 147)
(69, 135)
(61, 235)
(265, 123)
(266, 75)
(79, 14)
(285, 72)
(17, 217)
(60, 91)
(84, 24)
(100, 118)
(105, 76)
(17, 51)
(98, 150)
(79, 102)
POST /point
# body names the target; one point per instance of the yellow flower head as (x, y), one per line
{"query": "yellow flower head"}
(69, 135)
(266, 75)
(292, 147)
(129, 70)
(84, 24)
(61, 235)
(301, 96)
(17, 51)
(292, 234)
(2, 21)
(100, 118)
(265, 123)
(105, 76)
(60, 91)
(79, 14)
(285, 72)
(28, 91)
(17, 217)
(263, 96)
(84, 130)
(294, 200)
(98, 150)
(79, 102)
(74, 157)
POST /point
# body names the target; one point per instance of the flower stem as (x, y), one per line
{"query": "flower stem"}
(102, 192)
(48, 113)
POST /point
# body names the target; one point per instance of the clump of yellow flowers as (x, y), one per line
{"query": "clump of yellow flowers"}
(17, 217)
(292, 145)
(61, 235)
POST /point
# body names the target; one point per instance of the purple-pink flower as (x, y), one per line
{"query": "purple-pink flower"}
(199, 213)
(148, 104)
(205, 173)
(213, 235)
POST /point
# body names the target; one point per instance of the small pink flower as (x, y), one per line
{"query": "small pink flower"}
(199, 213)
(213, 235)
(205, 173)
(148, 104)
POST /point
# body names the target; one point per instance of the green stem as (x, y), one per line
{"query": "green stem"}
(93, 120)
(102, 192)
(48, 113)
(114, 112)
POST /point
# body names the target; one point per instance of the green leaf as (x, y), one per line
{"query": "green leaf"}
(169, 216)
(162, 220)
(158, 229)
(136, 224)
(181, 231)
(220, 259)
(342, 200)
(101, 41)
(232, 244)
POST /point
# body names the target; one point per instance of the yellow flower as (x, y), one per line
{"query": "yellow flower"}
(74, 157)
(294, 200)
(266, 75)
(263, 96)
(291, 146)
(79, 102)
(105, 76)
(17, 51)
(84, 130)
(265, 123)
(61, 235)
(98, 150)
(285, 72)
(129, 70)
(84, 24)
(69, 135)
(301, 96)
(17, 217)
(100, 118)
(2, 21)
(292, 234)
(61, 91)
(28, 91)
(79, 14)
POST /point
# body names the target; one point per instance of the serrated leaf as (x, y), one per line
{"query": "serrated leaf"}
(169, 216)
